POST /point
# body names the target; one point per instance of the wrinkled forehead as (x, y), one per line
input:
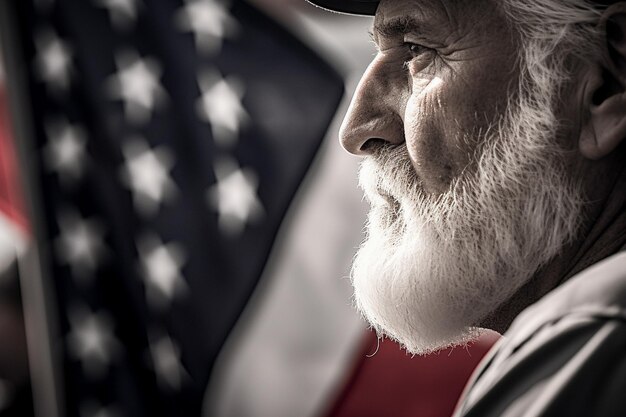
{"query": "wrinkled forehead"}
(419, 8)
(438, 16)
(393, 16)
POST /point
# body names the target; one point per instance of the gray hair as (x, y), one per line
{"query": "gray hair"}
(552, 32)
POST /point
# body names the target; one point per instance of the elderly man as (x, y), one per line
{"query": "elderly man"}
(494, 159)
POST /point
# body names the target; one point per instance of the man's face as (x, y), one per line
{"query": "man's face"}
(442, 76)
(469, 187)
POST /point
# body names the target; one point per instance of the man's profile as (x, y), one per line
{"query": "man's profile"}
(494, 160)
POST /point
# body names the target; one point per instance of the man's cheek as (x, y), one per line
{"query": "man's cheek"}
(425, 84)
(425, 101)
(425, 124)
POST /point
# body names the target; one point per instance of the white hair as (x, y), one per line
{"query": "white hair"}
(551, 33)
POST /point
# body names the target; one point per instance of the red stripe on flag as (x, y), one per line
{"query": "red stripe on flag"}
(392, 383)
(11, 201)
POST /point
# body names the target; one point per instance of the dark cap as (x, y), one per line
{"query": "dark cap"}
(368, 7)
(362, 7)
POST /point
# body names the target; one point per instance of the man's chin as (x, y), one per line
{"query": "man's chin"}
(416, 340)
(422, 313)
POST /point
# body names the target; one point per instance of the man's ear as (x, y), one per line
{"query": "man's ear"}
(605, 127)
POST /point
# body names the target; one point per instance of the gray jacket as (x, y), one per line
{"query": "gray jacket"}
(563, 356)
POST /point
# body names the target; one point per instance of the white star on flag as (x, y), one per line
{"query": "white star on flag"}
(210, 23)
(137, 84)
(123, 13)
(220, 105)
(160, 266)
(234, 197)
(91, 340)
(65, 151)
(146, 174)
(80, 244)
(53, 63)
(165, 355)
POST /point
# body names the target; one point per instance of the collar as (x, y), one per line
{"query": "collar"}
(599, 290)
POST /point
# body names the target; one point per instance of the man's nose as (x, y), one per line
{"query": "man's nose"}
(373, 118)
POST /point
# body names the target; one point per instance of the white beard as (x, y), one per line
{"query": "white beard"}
(433, 267)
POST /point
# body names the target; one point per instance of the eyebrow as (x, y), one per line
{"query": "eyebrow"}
(397, 27)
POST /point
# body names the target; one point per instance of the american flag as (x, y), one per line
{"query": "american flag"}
(171, 136)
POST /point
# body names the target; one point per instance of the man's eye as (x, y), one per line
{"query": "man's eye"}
(415, 49)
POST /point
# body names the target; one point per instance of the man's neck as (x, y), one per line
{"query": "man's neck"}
(603, 234)
(606, 234)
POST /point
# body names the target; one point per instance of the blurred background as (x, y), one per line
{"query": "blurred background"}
(178, 219)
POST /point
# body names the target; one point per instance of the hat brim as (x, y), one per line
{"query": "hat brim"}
(358, 7)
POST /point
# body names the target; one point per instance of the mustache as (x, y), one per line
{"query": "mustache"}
(389, 155)
(388, 171)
